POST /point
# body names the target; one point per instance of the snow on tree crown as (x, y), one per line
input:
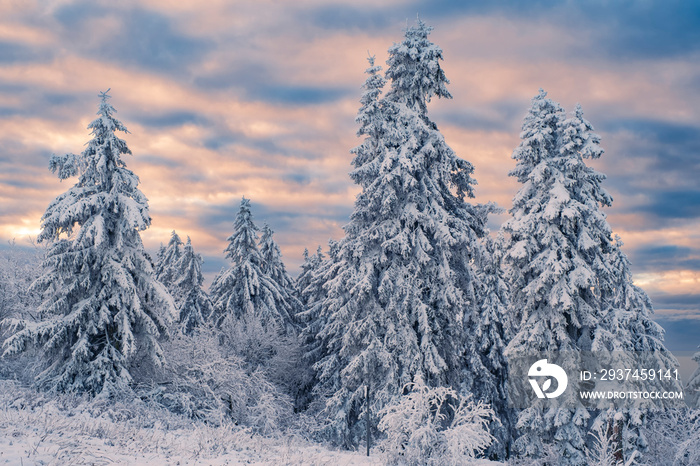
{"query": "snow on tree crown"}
(414, 69)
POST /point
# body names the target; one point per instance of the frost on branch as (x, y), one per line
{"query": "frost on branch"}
(435, 426)
(66, 166)
(202, 379)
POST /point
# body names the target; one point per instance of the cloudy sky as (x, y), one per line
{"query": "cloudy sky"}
(258, 98)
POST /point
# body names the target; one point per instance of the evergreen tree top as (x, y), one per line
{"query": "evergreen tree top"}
(243, 242)
(190, 267)
(578, 136)
(370, 100)
(168, 257)
(414, 69)
(538, 135)
(270, 250)
(249, 287)
(579, 142)
(175, 239)
(371, 118)
(272, 258)
(267, 242)
(105, 186)
(309, 266)
(106, 121)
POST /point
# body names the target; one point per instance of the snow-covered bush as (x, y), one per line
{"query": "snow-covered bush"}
(268, 350)
(550, 457)
(435, 426)
(604, 449)
(673, 435)
(19, 267)
(667, 432)
(203, 380)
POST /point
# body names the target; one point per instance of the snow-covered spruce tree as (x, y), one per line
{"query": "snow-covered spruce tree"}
(168, 256)
(315, 272)
(568, 278)
(180, 270)
(274, 268)
(489, 330)
(625, 330)
(557, 242)
(244, 289)
(272, 264)
(394, 312)
(103, 309)
(309, 268)
(194, 305)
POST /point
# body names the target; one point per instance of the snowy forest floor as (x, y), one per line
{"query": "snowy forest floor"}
(37, 429)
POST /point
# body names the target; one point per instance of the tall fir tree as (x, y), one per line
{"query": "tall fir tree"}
(194, 305)
(555, 234)
(570, 285)
(245, 289)
(317, 271)
(394, 311)
(624, 329)
(103, 308)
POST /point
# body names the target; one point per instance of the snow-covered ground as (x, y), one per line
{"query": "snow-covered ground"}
(37, 430)
(40, 430)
